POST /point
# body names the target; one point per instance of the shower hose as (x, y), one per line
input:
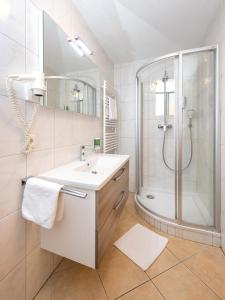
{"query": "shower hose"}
(191, 152)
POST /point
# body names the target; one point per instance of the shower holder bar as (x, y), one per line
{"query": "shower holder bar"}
(64, 190)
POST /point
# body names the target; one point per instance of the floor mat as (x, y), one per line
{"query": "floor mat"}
(141, 245)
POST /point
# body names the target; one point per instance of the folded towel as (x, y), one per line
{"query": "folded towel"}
(112, 109)
(60, 208)
(40, 201)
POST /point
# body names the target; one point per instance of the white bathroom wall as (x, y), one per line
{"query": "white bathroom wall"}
(216, 35)
(124, 83)
(24, 267)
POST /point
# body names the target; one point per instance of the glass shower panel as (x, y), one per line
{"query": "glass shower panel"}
(198, 137)
(158, 90)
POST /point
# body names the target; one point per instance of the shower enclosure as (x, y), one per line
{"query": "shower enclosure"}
(177, 147)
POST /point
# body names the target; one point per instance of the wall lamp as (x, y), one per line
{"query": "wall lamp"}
(79, 46)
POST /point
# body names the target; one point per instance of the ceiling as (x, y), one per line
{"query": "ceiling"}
(137, 29)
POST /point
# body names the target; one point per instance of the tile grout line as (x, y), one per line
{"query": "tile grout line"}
(158, 290)
(202, 281)
(155, 286)
(181, 260)
(165, 270)
(15, 266)
(125, 293)
(46, 281)
(102, 284)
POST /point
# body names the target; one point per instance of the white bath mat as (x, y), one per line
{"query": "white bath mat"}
(141, 245)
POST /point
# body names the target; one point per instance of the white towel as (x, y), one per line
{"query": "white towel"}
(40, 201)
(112, 109)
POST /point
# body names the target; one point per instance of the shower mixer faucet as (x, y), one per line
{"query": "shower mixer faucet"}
(165, 126)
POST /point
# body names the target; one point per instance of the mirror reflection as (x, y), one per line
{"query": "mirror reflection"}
(73, 81)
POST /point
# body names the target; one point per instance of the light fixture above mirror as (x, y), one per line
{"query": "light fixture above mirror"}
(79, 46)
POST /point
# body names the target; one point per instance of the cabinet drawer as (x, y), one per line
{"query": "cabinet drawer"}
(110, 193)
(104, 235)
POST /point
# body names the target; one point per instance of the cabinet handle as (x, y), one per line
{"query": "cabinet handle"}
(119, 203)
(120, 175)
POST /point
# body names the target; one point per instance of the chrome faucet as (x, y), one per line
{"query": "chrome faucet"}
(83, 149)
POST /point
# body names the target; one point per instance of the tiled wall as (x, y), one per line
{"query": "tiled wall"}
(23, 265)
(216, 35)
(124, 83)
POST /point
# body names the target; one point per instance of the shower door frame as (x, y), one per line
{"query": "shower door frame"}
(179, 138)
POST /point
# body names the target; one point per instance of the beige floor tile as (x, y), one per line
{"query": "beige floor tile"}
(57, 260)
(183, 249)
(146, 291)
(13, 285)
(164, 262)
(119, 274)
(45, 293)
(12, 242)
(127, 221)
(209, 265)
(38, 269)
(79, 282)
(65, 265)
(179, 283)
(129, 208)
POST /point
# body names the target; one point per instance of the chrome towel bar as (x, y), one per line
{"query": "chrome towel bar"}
(64, 190)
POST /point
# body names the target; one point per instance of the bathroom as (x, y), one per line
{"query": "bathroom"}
(113, 111)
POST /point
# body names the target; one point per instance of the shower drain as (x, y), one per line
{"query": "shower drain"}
(150, 197)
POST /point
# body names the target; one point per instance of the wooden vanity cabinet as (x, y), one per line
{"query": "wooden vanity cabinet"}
(110, 201)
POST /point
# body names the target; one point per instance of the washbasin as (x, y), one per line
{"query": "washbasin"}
(98, 165)
(90, 174)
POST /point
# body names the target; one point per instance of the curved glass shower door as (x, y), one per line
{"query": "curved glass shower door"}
(178, 158)
(198, 142)
(158, 86)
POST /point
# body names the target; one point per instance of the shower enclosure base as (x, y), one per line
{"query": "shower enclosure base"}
(162, 203)
(208, 237)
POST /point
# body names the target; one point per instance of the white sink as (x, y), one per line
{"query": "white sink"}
(99, 165)
(90, 174)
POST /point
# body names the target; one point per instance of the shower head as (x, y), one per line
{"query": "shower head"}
(165, 76)
(190, 113)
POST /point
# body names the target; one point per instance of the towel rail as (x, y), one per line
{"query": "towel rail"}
(110, 127)
(64, 190)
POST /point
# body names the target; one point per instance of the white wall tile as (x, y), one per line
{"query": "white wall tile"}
(12, 61)
(127, 111)
(11, 134)
(13, 24)
(12, 242)
(39, 162)
(33, 28)
(65, 155)
(127, 129)
(13, 169)
(43, 137)
(198, 237)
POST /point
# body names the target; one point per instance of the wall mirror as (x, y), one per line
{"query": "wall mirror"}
(73, 81)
